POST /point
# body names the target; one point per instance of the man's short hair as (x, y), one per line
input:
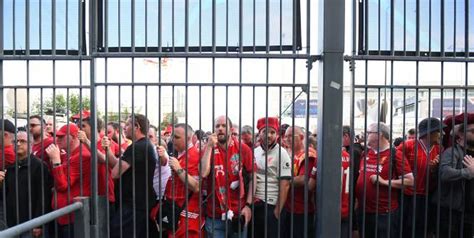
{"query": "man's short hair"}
(411, 131)
(247, 130)
(142, 122)
(382, 128)
(100, 123)
(114, 125)
(154, 128)
(39, 118)
(185, 127)
(200, 134)
(346, 130)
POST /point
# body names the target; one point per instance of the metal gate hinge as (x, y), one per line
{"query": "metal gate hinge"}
(311, 60)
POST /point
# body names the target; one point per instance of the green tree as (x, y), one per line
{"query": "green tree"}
(61, 104)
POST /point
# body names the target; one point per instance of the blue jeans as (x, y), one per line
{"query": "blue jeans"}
(369, 229)
(219, 229)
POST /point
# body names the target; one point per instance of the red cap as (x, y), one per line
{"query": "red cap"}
(85, 115)
(73, 130)
(169, 129)
(448, 121)
(272, 122)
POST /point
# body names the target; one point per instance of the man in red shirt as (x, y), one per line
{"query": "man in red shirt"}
(41, 139)
(345, 177)
(227, 198)
(183, 186)
(375, 183)
(7, 157)
(113, 132)
(423, 157)
(295, 203)
(105, 180)
(68, 174)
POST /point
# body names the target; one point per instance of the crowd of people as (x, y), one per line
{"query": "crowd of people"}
(233, 182)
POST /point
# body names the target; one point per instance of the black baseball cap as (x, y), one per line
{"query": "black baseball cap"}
(7, 126)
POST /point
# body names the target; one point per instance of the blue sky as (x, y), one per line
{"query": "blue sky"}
(14, 30)
(385, 10)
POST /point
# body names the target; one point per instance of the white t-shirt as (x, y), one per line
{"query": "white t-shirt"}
(165, 175)
(278, 167)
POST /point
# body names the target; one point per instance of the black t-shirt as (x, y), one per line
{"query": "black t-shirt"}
(142, 159)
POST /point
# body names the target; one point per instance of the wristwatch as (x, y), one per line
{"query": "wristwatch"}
(179, 171)
(248, 205)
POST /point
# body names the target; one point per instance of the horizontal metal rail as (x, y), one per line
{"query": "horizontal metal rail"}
(408, 58)
(426, 87)
(41, 220)
(205, 55)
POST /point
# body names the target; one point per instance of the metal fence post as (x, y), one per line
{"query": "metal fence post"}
(82, 218)
(331, 20)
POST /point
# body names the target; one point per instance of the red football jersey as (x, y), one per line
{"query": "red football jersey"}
(421, 164)
(345, 175)
(379, 164)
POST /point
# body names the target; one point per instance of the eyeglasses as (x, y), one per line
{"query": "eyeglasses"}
(20, 141)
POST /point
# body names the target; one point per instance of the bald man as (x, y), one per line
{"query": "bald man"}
(294, 206)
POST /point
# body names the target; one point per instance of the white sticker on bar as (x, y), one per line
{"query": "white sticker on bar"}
(335, 85)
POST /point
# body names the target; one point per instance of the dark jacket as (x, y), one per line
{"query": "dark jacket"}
(453, 177)
(40, 186)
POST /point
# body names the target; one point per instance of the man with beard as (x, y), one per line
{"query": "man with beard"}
(273, 178)
(227, 197)
(135, 168)
(113, 132)
(456, 193)
(41, 138)
(423, 157)
(106, 183)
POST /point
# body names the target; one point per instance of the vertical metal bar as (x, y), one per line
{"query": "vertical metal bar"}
(27, 28)
(107, 212)
(417, 28)
(66, 26)
(17, 195)
(120, 161)
(352, 115)
(429, 29)
(160, 22)
(428, 157)
(186, 36)
(186, 129)
(378, 26)
(213, 31)
(330, 118)
(405, 27)
(93, 8)
(366, 28)
(132, 9)
(253, 152)
(106, 35)
(267, 26)
(454, 28)
(13, 27)
(172, 26)
(254, 28)
(442, 30)
(392, 27)
(40, 20)
(466, 29)
(281, 30)
(53, 27)
(119, 25)
(134, 171)
(146, 30)
(227, 26)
